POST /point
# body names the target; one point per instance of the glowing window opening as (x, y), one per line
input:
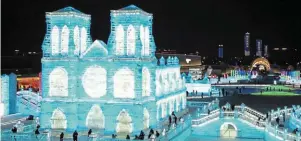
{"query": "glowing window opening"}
(124, 124)
(55, 40)
(131, 40)
(76, 40)
(124, 84)
(119, 40)
(94, 81)
(95, 118)
(58, 82)
(83, 40)
(146, 82)
(58, 120)
(65, 40)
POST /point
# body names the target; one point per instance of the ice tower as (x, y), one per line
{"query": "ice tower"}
(119, 87)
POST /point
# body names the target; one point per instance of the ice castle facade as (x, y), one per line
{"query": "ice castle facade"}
(115, 87)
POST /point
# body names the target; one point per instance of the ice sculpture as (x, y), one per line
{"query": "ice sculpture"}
(122, 84)
(8, 94)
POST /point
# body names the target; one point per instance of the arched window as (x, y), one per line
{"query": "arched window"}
(94, 81)
(145, 82)
(76, 40)
(58, 120)
(95, 118)
(146, 42)
(119, 40)
(58, 82)
(124, 83)
(145, 118)
(55, 40)
(131, 40)
(83, 40)
(65, 40)
(124, 124)
(142, 39)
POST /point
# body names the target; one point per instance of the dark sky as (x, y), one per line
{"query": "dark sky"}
(182, 25)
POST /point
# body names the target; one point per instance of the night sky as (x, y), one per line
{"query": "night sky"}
(182, 25)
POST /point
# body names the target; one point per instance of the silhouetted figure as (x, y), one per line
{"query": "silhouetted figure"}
(141, 136)
(75, 134)
(240, 90)
(14, 129)
(114, 136)
(208, 112)
(173, 113)
(37, 132)
(187, 93)
(202, 95)
(136, 137)
(196, 92)
(128, 137)
(62, 136)
(283, 114)
(261, 92)
(277, 120)
(169, 119)
(210, 94)
(175, 118)
(151, 131)
(157, 134)
(38, 126)
(89, 132)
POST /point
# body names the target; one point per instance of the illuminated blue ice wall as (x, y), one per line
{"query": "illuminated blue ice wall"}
(110, 87)
(8, 94)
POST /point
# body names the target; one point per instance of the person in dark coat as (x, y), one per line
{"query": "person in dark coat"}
(169, 119)
(89, 132)
(128, 137)
(62, 136)
(75, 134)
(175, 118)
(14, 130)
(157, 134)
(141, 136)
(37, 132)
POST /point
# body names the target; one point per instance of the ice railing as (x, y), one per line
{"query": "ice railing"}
(213, 115)
(172, 133)
(281, 133)
(297, 115)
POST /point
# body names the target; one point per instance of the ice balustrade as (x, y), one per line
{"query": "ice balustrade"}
(213, 115)
(281, 133)
(170, 134)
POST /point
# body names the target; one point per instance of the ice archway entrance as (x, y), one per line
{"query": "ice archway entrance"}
(95, 118)
(58, 120)
(124, 123)
(228, 130)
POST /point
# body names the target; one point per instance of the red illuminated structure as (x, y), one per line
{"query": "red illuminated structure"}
(29, 82)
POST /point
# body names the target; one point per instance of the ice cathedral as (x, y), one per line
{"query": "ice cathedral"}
(118, 87)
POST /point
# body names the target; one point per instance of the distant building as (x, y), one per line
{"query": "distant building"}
(220, 51)
(247, 44)
(266, 51)
(259, 47)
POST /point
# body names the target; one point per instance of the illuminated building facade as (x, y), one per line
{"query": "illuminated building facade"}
(247, 44)
(119, 87)
(266, 51)
(259, 47)
(220, 51)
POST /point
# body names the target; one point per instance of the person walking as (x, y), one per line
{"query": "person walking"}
(75, 134)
